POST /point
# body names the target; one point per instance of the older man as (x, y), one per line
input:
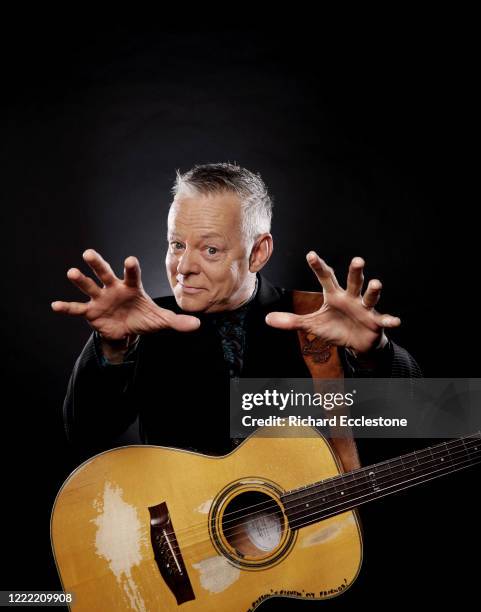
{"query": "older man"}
(165, 363)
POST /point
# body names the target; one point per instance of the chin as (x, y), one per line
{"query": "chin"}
(191, 303)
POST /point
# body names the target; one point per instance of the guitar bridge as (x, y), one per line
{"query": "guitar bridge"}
(167, 554)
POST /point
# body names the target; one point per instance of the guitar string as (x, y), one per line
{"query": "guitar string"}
(365, 498)
(375, 495)
(331, 483)
(446, 469)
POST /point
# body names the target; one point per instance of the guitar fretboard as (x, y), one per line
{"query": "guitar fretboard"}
(320, 500)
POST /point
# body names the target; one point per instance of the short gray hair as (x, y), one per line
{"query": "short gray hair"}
(256, 203)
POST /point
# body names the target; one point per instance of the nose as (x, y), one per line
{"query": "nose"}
(187, 263)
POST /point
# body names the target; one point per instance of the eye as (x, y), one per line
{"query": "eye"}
(212, 250)
(176, 245)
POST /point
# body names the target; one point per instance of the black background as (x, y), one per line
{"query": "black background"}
(367, 143)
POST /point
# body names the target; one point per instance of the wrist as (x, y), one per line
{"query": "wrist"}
(370, 358)
(114, 351)
(122, 344)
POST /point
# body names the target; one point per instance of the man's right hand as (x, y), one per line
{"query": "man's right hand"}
(120, 310)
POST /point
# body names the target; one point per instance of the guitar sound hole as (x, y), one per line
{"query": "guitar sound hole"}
(253, 524)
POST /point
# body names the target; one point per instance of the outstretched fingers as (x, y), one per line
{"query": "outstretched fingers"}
(355, 277)
(372, 294)
(76, 309)
(183, 323)
(165, 318)
(84, 283)
(285, 320)
(386, 320)
(132, 272)
(100, 267)
(325, 274)
(371, 298)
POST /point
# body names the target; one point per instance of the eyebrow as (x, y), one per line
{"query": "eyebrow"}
(203, 236)
(212, 235)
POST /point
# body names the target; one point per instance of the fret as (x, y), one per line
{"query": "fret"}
(355, 484)
(384, 475)
(466, 450)
(446, 455)
(312, 503)
(473, 448)
(346, 484)
(396, 465)
(332, 485)
(425, 458)
(389, 466)
(410, 462)
(373, 480)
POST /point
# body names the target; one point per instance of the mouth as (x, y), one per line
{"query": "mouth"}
(189, 289)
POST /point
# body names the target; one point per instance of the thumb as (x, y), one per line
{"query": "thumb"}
(184, 323)
(285, 320)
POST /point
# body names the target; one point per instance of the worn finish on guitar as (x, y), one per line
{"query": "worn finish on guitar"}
(227, 528)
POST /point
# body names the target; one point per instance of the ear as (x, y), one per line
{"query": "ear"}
(261, 252)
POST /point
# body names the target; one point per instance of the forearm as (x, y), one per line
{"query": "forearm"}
(98, 406)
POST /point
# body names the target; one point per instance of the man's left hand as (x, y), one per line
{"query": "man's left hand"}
(346, 317)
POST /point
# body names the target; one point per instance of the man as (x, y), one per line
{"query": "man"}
(166, 363)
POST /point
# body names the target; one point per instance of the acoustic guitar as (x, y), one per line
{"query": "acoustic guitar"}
(151, 528)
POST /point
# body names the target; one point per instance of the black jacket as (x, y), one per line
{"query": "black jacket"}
(175, 386)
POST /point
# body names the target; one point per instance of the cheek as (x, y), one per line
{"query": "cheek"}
(227, 276)
(170, 263)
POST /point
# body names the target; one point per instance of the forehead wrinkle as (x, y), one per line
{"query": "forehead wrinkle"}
(199, 216)
(202, 222)
(201, 230)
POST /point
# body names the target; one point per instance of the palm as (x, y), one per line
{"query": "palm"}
(340, 324)
(121, 312)
(346, 318)
(121, 307)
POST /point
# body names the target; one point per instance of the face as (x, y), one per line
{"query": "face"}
(207, 259)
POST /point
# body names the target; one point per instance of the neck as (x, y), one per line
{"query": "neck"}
(320, 500)
(246, 294)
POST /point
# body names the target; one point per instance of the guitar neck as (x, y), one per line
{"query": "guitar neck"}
(320, 500)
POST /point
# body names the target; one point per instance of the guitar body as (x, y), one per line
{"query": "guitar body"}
(152, 528)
